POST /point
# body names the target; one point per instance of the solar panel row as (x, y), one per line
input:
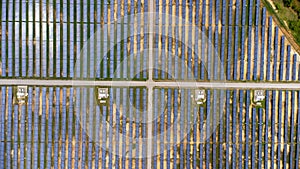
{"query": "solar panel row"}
(282, 48)
(262, 51)
(275, 54)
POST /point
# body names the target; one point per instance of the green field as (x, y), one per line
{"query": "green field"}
(288, 14)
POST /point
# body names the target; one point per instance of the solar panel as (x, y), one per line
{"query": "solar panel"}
(229, 51)
(138, 55)
(30, 51)
(22, 136)
(216, 57)
(275, 53)
(84, 39)
(125, 109)
(110, 134)
(29, 126)
(155, 128)
(214, 119)
(262, 54)
(234, 109)
(242, 54)
(269, 48)
(291, 153)
(279, 127)
(37, 59)
(10, 51)
(9, 129)
(217, 11)
(286, 115)
(77, 125)
(43, 127)
(257, 10)
(266, 139)
(170, 45)
(16, 51)
(118, 97)
(176, 41)
(255, 53)
(97, 128)
(227, 119)
(236, 46)
(104, 134)
(130, 153)
(163, 57)
(223, 35)
(156, 45)
(72, 53)
(188, 128)
(241, 104)
(230, 13)
(224, 10)
(92, 52)
(50, 123)
(132, 40)
(84, 124)
(247, 128)
(15, 136)
(203, 42)
(183, 13)
(175, 126)
(91, 127)
(210, 12)
(63, 127)
(249, 49)
(144, 127)
(209, 52)
(56, 127)
(105, 39)
(125, 37)
(195, 116)
(281, 58)
(274, 95)
(23, 49)
(201, 137)
(181, 134)
(244, 5)
(260, 124)
(57, 50)
(203, 12)
(162, 115)
(294, 67)
(145, 40)
(250, 13)
(190, 50)
(2, 125)
(3, 46)
(36, 127)
(288, 62)
(298, 129)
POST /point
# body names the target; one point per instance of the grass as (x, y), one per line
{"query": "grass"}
(286, 16)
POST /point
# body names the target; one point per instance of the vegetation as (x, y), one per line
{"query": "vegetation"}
(295, 27)
(287, 3)
(289, 11)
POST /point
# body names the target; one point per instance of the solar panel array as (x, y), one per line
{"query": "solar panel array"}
(51, 130)
(238, 43)
(48, 39)
(234, 40)
(246, 136)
